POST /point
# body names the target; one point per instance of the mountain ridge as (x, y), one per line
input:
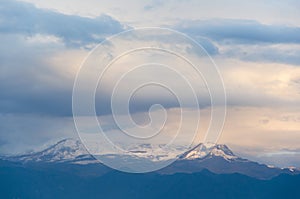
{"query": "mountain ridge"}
(217, 158)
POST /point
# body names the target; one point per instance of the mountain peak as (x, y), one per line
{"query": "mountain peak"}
(72, 150)
(68, 149)
(65, 147)
(68, 143)
(208, 150)
(217, 158)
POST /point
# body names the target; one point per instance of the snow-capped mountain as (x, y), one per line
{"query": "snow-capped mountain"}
(209, 150)
(217, 158)
(72, 150)
(66, 150)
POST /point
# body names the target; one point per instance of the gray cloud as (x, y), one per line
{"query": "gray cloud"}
(24, 18)
(241, 31)
(248, 40)
(264, 53)
(35, 95)
(29, 84)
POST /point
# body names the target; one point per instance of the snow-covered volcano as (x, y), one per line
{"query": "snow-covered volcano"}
(209, 150)
(217, 158)
(66, 150)
(72, 150)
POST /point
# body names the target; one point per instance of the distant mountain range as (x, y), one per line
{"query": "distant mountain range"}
(218, 159)
(66, 170)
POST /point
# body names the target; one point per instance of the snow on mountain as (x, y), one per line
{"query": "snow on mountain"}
(217, 158)
(155, 152)
(72, 150)
(209, 150)
(66, 150)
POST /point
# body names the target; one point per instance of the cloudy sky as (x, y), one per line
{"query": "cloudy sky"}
(256, 46)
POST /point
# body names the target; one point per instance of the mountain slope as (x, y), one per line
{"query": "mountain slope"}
(218, 159)
(209, 150)
(66, 150)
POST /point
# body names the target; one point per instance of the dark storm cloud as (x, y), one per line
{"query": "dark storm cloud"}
(25, 18)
